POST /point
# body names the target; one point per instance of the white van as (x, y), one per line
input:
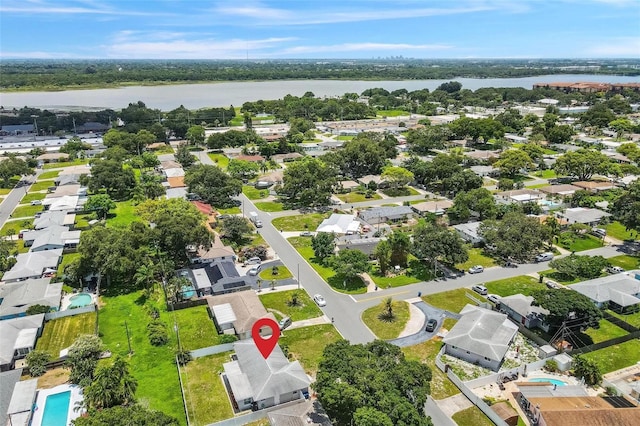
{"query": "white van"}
(544, 257)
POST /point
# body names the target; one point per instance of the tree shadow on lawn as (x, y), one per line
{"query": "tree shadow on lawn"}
(353, 285)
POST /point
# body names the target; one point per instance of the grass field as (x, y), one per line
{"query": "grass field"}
(452, 301)
(254, 194)
(278, 300)
(633, 319)
(82, 220)
(441, 386)
(387, 330)
(13, 227)
(476, 258)
(61, 333)
(471, 416)
(123, 215)
(416, 272)
(196, 328)
(521, 284)
(207, 399)
(269, 206)
(283, 273)
(356, 197)
(344, 138)
(5, 191)
(400, 192)
(606, 331)
(392, 113)
(32, 196)
(220, 159)
(77, 162)
(26, 211)
(306, 344)
(616, 357)
(581, 243)
(152, 366)
(625, 261)
(230, 210)
(41, 185)
(303, 245)
(51, 174)
(301, 222)
(67, 258)
(618, 231)
(545, 174)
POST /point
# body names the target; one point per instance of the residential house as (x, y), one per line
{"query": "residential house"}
(70, 179)
(217, 251)
(586, 216)
(377, 215)
(68, 190)
(564, 190)
(176, 192)
(83, 169)
(520, 309)
(365, 245)
(484, 171)
(285, 158)
(437, 208)
(257, 383)
(349, 185)
(340, 224)
(470, 232)
(594, 186)
(17, 297)
(54, 218)
(173, 172)
(482, 155)
(620, 291)
(52, 157)
(64, 203)
(17, 338)
(22, 402)
(235, 313)
(17, 129)
(217, 277)
(51, 238)
(480, 337)
(170, 164)
(8, 381)
(250, 158)
(33, 265)
(305, 413)
(377, 179)
(520, 195)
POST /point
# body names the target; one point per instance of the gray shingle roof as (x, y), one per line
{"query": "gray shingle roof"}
(19, 296)
(17, 333)
(385, 212)
(522, 304)
(8, 380)
(482, 332)
(622, 289)
(33, 264)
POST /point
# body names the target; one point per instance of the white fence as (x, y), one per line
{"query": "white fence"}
(211, 350)
(70, 312)
(493, 378)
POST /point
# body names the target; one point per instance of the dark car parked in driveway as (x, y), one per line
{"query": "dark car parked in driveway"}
(431, 325)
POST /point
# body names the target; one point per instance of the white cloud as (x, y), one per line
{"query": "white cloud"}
(623, 47)
(359, 47)
(86, 8)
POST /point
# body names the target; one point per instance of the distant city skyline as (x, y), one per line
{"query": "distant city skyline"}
(357, 29)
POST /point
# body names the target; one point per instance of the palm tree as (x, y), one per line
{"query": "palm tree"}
(387, 314)
(112, 385)
(144, 274)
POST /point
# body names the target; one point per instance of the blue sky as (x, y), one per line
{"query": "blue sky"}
(211, 29)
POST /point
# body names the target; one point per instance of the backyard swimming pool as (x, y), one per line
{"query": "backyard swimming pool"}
(552, 381)
(56, 409)
(188, 292)
(80, 300)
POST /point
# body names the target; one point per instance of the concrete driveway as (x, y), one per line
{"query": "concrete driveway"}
(422, 336)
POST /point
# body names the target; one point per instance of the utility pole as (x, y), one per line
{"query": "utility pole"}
(126, 327)
(298, 276)
(75, 131)
(35, 124)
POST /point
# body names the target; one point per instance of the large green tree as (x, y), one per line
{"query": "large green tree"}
(585, 267)
(82, 359)
(111, 176)
(195, 135)
(565, 305)
(240, 169)
(438, 243)
(357, 158)
(383, 254)
(11, 167)
(400, 245)
(512, 161)
(307, 183)
(323, 245)
(587, 369)
(236, 228)
(213, 185)
(627, 208)
(397, 177)
(516, 236)
(584, 163)
(350, 263)
(374, 380)
(132, 415)
(100, 204)
(479, 200)
(112, 385)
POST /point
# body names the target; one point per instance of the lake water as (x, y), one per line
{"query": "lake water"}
(194, 96)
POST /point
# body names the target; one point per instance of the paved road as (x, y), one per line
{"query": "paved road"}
(12, 199)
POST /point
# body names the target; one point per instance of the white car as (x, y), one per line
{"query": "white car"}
(615, 270)
(493, 298)
(476, 269)
(254, 271)
(319, 300)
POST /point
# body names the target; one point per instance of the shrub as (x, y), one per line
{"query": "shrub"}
(551, 366)
(38, 309)
(37, 362)
(254, 251)
(183, 357)
(227, 338)
(157, 332)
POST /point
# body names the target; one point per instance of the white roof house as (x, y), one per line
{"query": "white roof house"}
(583, 215)
(469, 232)
(176, 172)
(19, 296)
(66, 202)
(33, 265)
(339, 224)
(481, 336)
(21, 403)
(264, 382)
(53, 237)
(620, 289)
(18, 338)
(49, 218)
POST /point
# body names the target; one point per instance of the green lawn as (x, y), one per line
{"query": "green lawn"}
(452, 301)
(476, 258)
(400, 192)
(153, 367)
(303, 245)
(545, 174)
(387, 330)
(32, 196)
(5, 191)
(625, 261)
(41, 185)
(282, 273)
(51, 174)
(26, 211)
(344, 138)
(82, 220)
(521, 284)
(123, 215)
(392, 113)
(67, 258)
(230, 210)
(471, 416)
(356, 197)
(301, 222)
(618, 231)
(207, 399)
(269, 206)
(633, 319)
(220, 159)
(61, 333)
(416, 272)
(580, 243)
(616, 357)
(307, 343)
(254, 194)
(606, 331)
(13, 227)
(441, 386)
(278, 300)
(78, 162)
(196, 328)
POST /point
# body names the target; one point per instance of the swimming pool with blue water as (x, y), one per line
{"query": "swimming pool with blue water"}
(56, 409)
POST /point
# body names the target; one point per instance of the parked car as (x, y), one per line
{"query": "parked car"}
(544, 257)
(254, 271)
(319, 300)
(306, 234)
(36, 202)
(600, 232)
(480, 289)
(476, 269)
(552, 284)
(253, 261)
(615, 270)
(431, 325)
(493, 298)
(284, 323)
